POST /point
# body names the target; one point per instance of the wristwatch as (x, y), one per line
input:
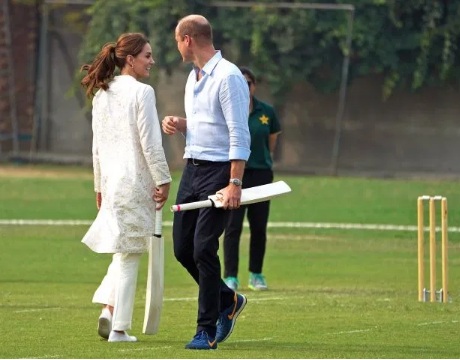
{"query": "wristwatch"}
(236, 182)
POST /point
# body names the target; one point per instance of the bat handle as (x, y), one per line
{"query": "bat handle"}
(158, 223)
(192, 205)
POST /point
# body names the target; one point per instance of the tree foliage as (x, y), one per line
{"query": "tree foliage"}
(412, 43)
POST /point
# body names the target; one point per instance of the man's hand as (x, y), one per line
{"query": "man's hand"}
(172, 124)
(230, 197)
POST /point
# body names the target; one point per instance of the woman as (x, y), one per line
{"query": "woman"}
(131, 176)
(264, 127)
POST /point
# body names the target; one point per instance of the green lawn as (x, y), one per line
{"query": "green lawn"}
(333, 293)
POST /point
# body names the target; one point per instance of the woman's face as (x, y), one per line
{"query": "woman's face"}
(143, 62)
(251, 84)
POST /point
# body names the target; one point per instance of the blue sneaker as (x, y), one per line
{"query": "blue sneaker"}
(232, 282)
(227, 318)
(202, 341)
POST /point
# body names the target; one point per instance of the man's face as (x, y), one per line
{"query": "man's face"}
(182, 46)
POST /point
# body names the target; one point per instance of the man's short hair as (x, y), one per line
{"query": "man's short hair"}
(197, 27)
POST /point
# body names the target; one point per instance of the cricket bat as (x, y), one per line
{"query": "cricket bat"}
(155, 279)
(248, 196)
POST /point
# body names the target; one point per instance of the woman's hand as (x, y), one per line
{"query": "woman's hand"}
(98, 200)
(160, 195)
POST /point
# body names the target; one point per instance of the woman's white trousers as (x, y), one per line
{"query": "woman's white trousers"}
(118, 289)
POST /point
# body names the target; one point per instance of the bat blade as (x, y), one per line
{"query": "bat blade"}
(155, 280)
(248, 196)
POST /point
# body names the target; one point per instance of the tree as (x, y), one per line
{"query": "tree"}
(412, 43)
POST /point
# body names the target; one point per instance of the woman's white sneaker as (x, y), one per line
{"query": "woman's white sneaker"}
(121, 337)
(104, 325)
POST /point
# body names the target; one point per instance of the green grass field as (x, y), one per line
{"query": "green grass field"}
(334, 293)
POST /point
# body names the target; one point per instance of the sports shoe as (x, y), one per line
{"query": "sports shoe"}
(227, 318)
(257, 282)
(104, 325)
(232, 282)
(121, 337)
(202, 341)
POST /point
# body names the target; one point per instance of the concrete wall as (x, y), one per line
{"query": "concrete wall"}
(411, 132)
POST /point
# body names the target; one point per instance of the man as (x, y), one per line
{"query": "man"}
(217, 147)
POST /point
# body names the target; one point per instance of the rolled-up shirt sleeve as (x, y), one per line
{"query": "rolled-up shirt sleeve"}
(234, 99)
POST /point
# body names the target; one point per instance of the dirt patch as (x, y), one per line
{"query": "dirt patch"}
(32, 171)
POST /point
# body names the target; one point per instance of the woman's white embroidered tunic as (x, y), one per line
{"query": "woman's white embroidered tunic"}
(128, 162)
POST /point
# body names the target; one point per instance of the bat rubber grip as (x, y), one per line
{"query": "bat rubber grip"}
(158, 223)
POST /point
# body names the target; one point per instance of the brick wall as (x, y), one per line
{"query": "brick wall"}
(24, 29)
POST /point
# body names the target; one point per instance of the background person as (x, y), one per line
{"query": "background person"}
(217, 145)
(131, 176)
(264, 128)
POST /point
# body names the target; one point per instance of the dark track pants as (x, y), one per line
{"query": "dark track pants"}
(257, 217)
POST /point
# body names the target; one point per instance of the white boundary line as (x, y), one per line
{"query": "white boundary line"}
(46, 222)
(438, 323)
(352, 331)
(303, 225)
(351, 226)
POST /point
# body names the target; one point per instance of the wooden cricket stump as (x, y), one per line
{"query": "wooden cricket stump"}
(432, 294)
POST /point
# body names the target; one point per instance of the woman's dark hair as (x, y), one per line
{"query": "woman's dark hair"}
(113, 55)
(246, 71)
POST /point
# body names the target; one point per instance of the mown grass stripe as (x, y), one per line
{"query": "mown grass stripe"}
(306, 225)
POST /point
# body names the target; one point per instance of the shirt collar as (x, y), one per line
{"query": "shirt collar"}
(211, 64)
